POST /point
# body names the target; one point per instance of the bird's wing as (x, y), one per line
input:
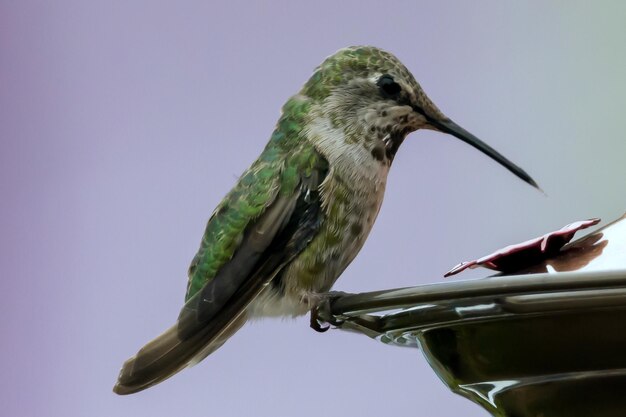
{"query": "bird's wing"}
(262, 224)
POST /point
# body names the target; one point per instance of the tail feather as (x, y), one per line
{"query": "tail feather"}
(168, 354)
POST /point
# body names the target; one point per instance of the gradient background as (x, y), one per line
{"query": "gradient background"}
(123, 123)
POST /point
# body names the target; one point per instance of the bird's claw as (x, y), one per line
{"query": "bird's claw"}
(323, 302)
(316, 323)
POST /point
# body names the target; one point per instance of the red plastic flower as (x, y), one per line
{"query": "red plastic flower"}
(521, 255)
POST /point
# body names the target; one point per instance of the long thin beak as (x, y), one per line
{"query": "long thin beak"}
(448, 126)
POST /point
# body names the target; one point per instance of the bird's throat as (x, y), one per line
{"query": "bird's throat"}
(392, 144)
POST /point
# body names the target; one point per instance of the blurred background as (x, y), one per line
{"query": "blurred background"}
(123, 124)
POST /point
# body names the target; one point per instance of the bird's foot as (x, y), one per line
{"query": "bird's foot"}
(319, 304)
(317, 324)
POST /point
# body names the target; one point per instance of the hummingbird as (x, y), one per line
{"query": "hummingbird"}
(301, 213)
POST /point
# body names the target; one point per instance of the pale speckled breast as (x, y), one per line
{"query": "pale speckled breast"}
(352, 207)
(352, 195)
(348, 223)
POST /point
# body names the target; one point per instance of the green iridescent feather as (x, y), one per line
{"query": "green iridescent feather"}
(285, 160)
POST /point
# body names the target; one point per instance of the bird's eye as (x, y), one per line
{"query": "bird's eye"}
(388, 87)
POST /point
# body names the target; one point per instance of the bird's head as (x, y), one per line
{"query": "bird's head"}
(372, 97)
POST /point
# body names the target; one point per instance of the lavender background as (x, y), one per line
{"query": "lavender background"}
(123, 123)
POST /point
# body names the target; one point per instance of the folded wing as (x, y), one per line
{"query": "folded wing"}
(273, 234)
